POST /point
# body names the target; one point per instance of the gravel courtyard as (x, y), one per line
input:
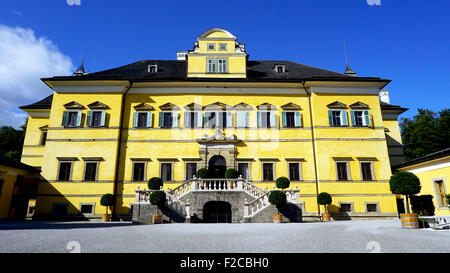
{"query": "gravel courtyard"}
(385, 236)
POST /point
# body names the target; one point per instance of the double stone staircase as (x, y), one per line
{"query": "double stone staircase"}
(186, 201)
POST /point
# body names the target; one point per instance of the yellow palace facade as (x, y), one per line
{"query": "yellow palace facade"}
(213, 107)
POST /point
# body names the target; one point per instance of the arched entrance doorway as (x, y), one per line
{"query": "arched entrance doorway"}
(217, 167)
(217, 212)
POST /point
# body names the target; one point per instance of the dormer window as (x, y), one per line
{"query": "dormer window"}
(279, 68)
(152, 68)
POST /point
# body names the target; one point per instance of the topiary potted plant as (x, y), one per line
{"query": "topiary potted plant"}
(107, 201)
(231, 173)
(155, 183)
(325, 199)
(407, 184)
(283, 182)
(423, 206)
(278, 199)
(157, 198)
(202, 173)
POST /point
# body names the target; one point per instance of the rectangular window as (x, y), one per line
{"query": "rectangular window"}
(138, 171)
(64, 171)
(193, 119)
(223, 67)
(342, 170)
(346, 207)
(152, 68)
(72, 119)
(96, 119)
(212, 66)
(211, 47)
(43, 138)
(338, 117)
(440, 190)
(243, 170)
(168, 119)
(360, 118)
(268, 171)
(366, 171)
(371, 207)
(266, 119)
(87, 209)
(291, 119)
(142, 120)
(166, 171)
(90, 171)
(191, 170)
(242, 119)
(223, 47)
(294, 171)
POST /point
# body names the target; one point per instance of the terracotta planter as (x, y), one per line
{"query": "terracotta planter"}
(277, 218)
(409, 220)
(326, 217)
(156, 219)
(106, 217)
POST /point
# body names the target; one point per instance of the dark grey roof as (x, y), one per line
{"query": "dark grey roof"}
(387, 106)
(42, 104)
(175, 70)
(428, 157)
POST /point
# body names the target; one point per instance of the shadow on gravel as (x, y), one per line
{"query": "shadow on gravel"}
(24, 225)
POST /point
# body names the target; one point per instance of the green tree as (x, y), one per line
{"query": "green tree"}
(11, 141)
(425, 133)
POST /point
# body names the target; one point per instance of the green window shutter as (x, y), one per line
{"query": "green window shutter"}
(229, 119)
(135, 119)
(366, 119)
(240, 122)
(272, 119)
(103, 118)
(352, 116)
(89, 118)
(174, 119)
(283, 119)
(199, 116)
(298, 119)
(79, 114)
(149, 119)
(65, 118)
(187, 119)
(258, 117)
(330, 117)
(246, 119)
(161, 120)
(344, 118)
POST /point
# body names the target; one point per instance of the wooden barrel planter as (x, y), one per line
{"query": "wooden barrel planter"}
(409, 220)
(156, 219)
(277, 218)
(326, 217)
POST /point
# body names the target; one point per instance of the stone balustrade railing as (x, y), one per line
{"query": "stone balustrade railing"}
(260, 203)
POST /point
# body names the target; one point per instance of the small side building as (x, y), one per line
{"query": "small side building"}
(433, 171)
(18, 188)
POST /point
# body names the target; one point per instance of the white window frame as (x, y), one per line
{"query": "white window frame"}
(59, 169)
(249, 166)
(352, 207)
(274, 173)
(349, 175)
(372, 170)
(213, 46)
(87, 204)
(222, 45)
(372, 203)
(150, 66)
(145, 170)
(300, 173)
(171, 170)
(97, 162)
(185, 168)
(282, 66)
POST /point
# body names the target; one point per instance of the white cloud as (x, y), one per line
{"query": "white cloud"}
(24, 60)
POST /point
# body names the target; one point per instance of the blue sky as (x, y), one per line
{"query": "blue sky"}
(406, 41)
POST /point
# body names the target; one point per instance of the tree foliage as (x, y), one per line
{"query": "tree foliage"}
(423, 205)
(155, 183)
(11, 141)
(404, 183)
(425, 133)
(283, 182)
(231, 173)
(277, 198)
(158, 198)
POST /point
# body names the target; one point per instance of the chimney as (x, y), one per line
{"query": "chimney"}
(384, 96)
(181, 55)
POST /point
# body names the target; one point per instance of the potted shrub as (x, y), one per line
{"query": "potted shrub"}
(155, 183)
(423, 206)
(107, 201)
(278, 199)
(202, 173)
(157, 198)
(283, 182)
(231, 173)
(325, 199)
(407, 184)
